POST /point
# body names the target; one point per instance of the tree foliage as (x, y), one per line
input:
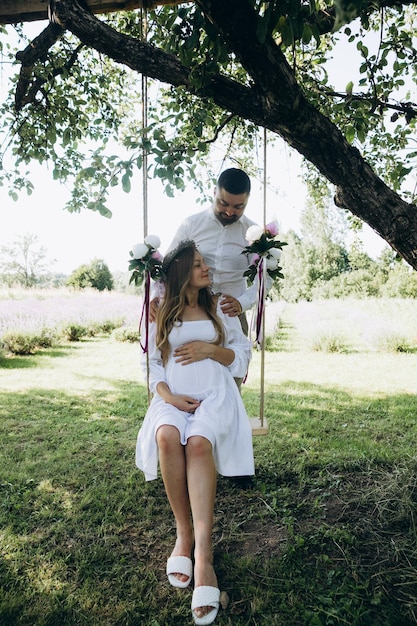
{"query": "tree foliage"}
(315, 271)
(218, 72)
(95, 275)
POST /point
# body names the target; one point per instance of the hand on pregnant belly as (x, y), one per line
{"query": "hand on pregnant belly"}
(192, 352)
(184, 403)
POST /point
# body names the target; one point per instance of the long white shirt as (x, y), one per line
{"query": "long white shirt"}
(221, 247)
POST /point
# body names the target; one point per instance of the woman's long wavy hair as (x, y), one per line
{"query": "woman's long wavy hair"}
(178, 269)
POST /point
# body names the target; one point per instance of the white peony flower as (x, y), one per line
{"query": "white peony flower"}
(271, 263)
(275, 252)
(254, 233)
(153, 241)
(140, 250)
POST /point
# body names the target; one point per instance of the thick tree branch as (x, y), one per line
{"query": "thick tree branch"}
(32, 89)
(275, 102)
(359, 189)
(36, 51)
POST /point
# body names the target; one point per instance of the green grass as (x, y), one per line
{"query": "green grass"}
(324, 535)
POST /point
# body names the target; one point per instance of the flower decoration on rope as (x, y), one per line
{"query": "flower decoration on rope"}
(146, 260)
(146, 263)
(263, 244)
(265, 251)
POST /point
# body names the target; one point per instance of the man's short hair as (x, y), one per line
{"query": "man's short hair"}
(234, 181)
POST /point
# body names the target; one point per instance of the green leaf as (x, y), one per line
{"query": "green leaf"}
(307, 34)
(88, 172)
(350, 134)
(126, 183)
(66, 137)
(169, 191)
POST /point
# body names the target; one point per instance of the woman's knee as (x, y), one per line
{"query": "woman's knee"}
(167, 438)
(198, 446)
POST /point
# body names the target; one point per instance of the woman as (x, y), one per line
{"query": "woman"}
(196, 424)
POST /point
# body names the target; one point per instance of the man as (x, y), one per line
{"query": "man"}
(219, 233)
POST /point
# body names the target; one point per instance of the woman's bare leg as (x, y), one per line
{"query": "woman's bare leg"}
(202, 480)
(172, 463)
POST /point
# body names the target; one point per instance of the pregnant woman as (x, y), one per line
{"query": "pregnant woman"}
(196, 424)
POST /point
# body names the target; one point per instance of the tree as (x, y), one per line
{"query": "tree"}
(322, 223)
(95, 275)
(24, 261)
(401, 282)
(237, 65)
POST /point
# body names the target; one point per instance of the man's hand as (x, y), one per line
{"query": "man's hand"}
(193, 351)
(230, 306)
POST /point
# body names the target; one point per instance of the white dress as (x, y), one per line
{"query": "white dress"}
(221, 416)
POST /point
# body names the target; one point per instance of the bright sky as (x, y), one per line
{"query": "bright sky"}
(75, 238)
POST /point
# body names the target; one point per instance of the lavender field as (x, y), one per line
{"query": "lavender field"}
(40, 318)
(49, 313)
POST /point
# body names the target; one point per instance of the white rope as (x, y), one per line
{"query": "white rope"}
(262, 380)
(144, 34)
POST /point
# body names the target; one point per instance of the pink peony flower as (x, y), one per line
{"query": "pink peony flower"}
(272, 228)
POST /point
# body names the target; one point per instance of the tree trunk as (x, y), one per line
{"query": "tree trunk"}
(275, 101)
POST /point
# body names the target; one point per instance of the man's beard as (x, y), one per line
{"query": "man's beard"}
(226, 220)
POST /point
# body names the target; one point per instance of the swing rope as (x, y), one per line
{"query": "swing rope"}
(258, 424)
(144, 87)
(261, 305)
(262, 382)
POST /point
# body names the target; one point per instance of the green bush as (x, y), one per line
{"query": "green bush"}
(74, 332)
(105, 327)
(47, 338)
(108, 326)
(128, 334)
(96, 275)
(20, 343)
(356, 284)
(401, 282)
(393, 343)
(329, 343)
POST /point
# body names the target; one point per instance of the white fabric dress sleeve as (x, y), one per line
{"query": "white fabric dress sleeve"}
(156, 368)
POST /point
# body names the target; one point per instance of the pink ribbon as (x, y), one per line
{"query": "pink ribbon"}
(145, 313)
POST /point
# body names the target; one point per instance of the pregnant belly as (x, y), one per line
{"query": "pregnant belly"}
(195, 379)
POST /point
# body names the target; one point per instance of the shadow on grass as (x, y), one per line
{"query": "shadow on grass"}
(323, 535)
(17, 362)
(14, 362)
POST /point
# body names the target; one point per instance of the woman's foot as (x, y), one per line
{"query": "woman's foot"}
(205, 602)
(179, 571)
(179, 565)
